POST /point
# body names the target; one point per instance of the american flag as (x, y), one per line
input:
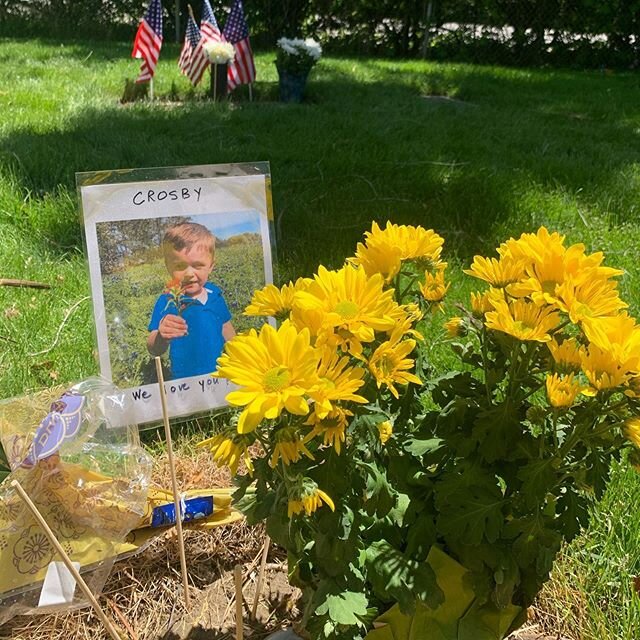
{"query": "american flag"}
(148, 41)
(193, 58)
(208, 25)
(242, 69)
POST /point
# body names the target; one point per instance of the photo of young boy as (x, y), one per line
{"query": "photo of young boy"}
(192, 321)
(175, 255)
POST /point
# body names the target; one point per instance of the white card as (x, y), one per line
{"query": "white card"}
(59, 585)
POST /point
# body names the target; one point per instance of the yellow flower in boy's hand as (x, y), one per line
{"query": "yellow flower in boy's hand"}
(274, 370)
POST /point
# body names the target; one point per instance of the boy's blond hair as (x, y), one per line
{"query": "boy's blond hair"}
(186, 235)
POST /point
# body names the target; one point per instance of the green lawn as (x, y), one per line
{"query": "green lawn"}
(514, 150)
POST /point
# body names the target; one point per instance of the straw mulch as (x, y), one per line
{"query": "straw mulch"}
(534, 631)
(143, 595)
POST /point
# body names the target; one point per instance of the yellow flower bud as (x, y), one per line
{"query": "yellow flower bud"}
(385, 429)
(455, 327)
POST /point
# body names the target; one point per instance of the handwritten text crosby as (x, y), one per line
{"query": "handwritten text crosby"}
(159, 195)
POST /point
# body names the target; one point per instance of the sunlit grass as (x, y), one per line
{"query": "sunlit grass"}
(593, 594)
(514, 150)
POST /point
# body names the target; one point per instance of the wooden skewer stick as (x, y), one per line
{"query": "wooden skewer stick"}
(8, 282)
(174, 484)
(237, 578)
(113, 632)
(261, 572)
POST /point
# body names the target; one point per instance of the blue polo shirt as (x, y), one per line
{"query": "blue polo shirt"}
(196, 353)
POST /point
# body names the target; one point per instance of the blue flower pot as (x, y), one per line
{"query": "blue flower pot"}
(292, 85)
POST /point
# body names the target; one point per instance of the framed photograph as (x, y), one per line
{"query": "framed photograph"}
(174, 257)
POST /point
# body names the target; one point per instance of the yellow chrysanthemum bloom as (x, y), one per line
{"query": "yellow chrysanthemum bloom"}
(562, 390)
(547, 272)
(498, 273)
(352, 305)
(413, 242)
(632, 430)
(385, 249)
(390, 366)
(290, 446)
(274, 370)
(309, 502)
(228, 451)
(522, 319)
(594, 261)
(532, 246)
(611, 330)
(618, 335)
(434, 288)
(405, 317)
(385, 431)
(554, 273)
(548, 263)
(567, 355)
(271, 301)
(579, 265)
(480, 303)
(332, 427)
(412, 312)
(454, 326)
(337, 381)
(306, 318)
(602, 370)
(383, 259)
(587, 297)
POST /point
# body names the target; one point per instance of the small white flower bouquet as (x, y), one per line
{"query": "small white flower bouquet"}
(297, 56)
(219, 52)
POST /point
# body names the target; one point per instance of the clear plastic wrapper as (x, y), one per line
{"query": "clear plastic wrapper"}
(87, 477)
